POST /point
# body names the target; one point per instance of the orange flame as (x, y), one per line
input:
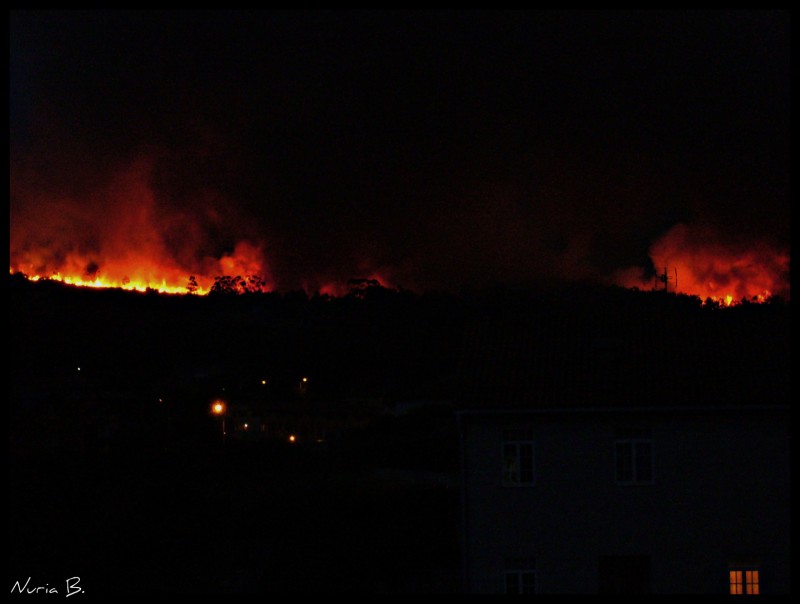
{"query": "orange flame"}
(696, 263)
(121, 237)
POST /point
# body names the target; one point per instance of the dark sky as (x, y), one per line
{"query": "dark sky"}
(438, 149)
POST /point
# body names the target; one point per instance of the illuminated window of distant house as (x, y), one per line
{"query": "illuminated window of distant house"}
(634, 457)
(518, 457)
(520, 576)
(744, 580)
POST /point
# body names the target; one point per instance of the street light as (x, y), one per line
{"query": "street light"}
(219, 408)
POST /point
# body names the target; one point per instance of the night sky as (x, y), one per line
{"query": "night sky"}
(434, 150)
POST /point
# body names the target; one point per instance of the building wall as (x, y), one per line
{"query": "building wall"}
(721, 492)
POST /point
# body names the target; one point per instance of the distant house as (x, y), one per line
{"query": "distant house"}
(602, 460)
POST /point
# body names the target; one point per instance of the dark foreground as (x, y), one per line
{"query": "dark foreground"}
(203, 518)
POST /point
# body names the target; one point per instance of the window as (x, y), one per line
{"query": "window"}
(624, 574)
(633, 457)
(518, 457)
(743, 580)
(520, 576)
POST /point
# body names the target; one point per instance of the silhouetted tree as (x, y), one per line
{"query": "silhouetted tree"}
(365, 288)
(225, 284)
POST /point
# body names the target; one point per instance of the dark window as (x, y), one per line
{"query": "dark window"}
(520, 576)
(518, 457)
(633, 458)
(624, 574)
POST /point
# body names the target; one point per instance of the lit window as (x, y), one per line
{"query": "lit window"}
(520, 576)
(744, 581)
(633, 458)
(518, 457)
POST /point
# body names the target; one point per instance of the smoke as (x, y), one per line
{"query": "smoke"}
(697, 261)
(150, 147)
(117, 229)
(155, 218)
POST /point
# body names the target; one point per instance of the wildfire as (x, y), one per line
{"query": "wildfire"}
(123, 235)
(145, 273)
(695, 263)
(126, 284)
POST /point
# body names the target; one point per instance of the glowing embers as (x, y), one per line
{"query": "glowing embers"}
(123, 283)
(162, 286)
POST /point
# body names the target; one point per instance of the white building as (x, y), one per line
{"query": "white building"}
(637, 451)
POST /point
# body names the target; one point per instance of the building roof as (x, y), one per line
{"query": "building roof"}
(650, 354)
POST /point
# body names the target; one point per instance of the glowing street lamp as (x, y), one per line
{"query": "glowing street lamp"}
(219, 408)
